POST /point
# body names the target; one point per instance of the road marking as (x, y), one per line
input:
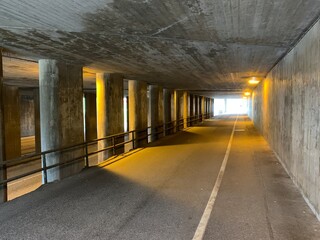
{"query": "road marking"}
(208, 210)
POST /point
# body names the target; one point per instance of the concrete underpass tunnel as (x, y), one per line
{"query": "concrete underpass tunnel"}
(61, 114)
(84, 81)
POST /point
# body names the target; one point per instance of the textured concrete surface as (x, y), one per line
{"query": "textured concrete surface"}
(91, 116)
(160, 192)
(138, 110)
(12, 131)
(177, 103)
(189, 44)
(167, 106)
(2, 134)
(155, 112)
(286, 110)
(186, 110)
(27, 121)
(110, 112)
(61, 114)
(37, 128)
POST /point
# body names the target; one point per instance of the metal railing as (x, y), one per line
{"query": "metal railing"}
(112, 144)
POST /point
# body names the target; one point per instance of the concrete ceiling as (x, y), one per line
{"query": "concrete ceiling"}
(210, 45)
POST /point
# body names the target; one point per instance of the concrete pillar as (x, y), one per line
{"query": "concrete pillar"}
(225, 105)
(3, 172)
(110, 115)
(191, 105)
(126, 127)
(196, 106)
(203, 107)
(212, 107)
(207, 107)
(177, 96)
(37, 130)
(12, 122)
(185, 109)
(61, 115)
(155, 110)
(90, 116)
(138, 111)
(167, 116)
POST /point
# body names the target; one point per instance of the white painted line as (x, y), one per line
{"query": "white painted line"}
(208, 210)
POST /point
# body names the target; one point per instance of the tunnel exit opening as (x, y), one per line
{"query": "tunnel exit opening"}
(224, 106)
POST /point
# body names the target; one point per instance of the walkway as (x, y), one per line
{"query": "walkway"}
(160, 192)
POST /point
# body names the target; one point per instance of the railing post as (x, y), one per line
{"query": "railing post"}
(87, 156)
(44, 167)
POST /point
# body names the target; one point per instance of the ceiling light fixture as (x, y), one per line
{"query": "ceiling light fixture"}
(254, 81)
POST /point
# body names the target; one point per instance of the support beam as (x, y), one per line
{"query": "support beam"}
(167, 109)
(138, 111)
(110, 115)
(155, 110)
(61, 115)
(12, 122)
(3, 172)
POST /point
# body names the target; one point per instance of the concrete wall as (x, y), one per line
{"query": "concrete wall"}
(12, 122)
(286, 110)
(91, 116)
(27, 122)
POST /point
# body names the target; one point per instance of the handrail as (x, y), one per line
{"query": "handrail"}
(176, 124)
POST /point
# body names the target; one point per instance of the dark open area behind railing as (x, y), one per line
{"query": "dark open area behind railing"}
(113, 144)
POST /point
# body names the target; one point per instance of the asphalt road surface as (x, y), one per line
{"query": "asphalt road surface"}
(173, 189)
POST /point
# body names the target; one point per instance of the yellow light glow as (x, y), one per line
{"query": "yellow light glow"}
(247, 93)
(254, 81)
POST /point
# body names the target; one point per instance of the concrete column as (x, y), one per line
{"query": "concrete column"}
(167, 116)
(3, 172)
(203, 107)
(196, 106)
(155, 110)
(110, 115)
(225, 105)
(90, 116)
(191, 105)
(177, 96)
(212, 107)
(126, 127)
(12, 122)
(37, 130)
(207, 107)
(185, 109)
(61, 115)
(138, 111)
